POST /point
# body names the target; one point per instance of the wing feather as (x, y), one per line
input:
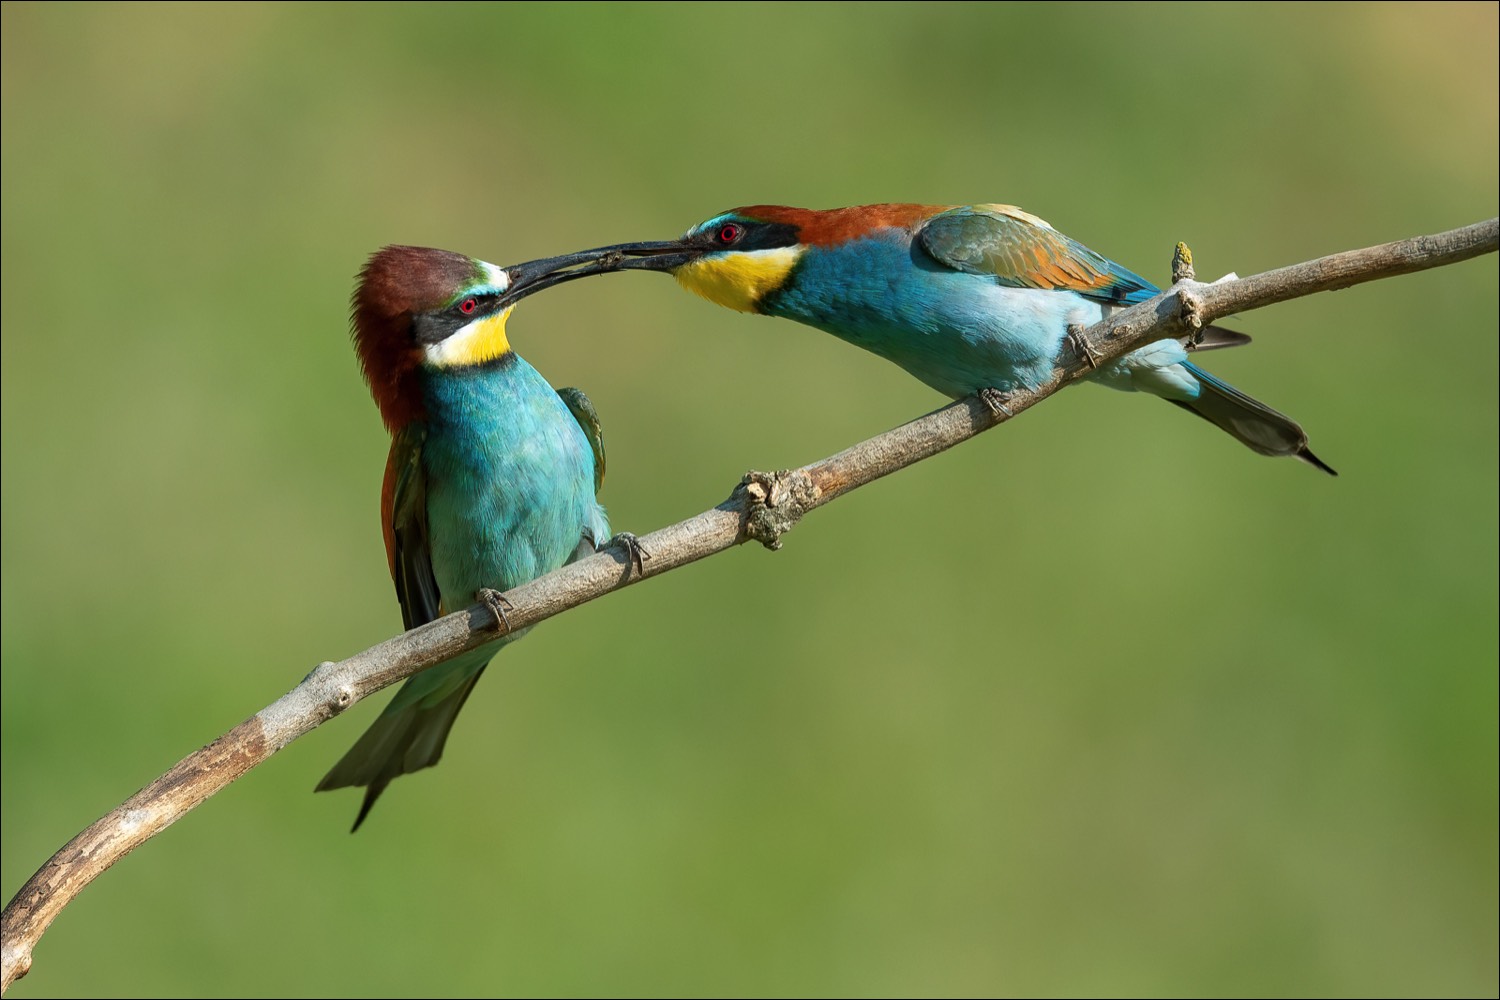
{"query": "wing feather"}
(407, 543)
(1022, 251)
(588, 420)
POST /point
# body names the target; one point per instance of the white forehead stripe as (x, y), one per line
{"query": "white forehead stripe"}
(498, 278)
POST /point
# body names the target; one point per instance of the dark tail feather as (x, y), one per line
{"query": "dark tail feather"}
(397, 743)
(1251, 422)
(1211, 338)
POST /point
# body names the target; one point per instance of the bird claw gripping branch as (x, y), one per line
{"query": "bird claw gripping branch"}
(635, 555)
(996, 400)
(498, 605)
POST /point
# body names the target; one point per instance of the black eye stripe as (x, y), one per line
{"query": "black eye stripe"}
(436, 327)
(751, 235)
(482, 305)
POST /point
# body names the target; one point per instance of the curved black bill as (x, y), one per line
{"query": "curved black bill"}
(527, 274)
(535, 275)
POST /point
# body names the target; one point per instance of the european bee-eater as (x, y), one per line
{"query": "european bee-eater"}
(490, 482)
(969, 299)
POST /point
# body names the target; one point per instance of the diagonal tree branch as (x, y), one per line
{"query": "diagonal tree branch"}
(762, 508)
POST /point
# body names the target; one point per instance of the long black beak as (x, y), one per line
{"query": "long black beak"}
(535, 275)
(525, 276)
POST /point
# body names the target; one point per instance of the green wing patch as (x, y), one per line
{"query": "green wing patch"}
(1022, 251)
(406, 529)
(588, 418)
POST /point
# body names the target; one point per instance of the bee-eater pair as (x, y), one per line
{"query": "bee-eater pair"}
(492, 475)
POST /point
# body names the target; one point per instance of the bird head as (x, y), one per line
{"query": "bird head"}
(416, 309)
(735, 259)
(740, 258)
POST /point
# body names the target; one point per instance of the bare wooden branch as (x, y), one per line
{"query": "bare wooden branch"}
(763, 507)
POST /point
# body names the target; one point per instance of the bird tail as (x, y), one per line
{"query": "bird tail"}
(408, 736)
(1251, 422)
(1213, 338)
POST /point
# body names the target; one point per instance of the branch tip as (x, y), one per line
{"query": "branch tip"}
(1182, 264)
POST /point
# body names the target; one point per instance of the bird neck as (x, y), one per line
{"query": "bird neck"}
(484, 410)
(497, 428)
(846, 287)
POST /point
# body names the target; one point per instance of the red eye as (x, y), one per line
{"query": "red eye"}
(728, 233)
(467, 306)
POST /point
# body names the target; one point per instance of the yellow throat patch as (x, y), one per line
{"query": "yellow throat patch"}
(482, 340)
(738, 280)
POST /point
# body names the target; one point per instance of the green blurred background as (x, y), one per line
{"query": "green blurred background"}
(1099, 702)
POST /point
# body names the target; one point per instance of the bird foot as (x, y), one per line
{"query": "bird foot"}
(498, 605)
(634, 554)
(996, 400)
(1080, 345)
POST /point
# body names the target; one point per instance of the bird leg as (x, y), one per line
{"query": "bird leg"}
(634, 554)
(1080, 345)
(496, 602)
(996, 400)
